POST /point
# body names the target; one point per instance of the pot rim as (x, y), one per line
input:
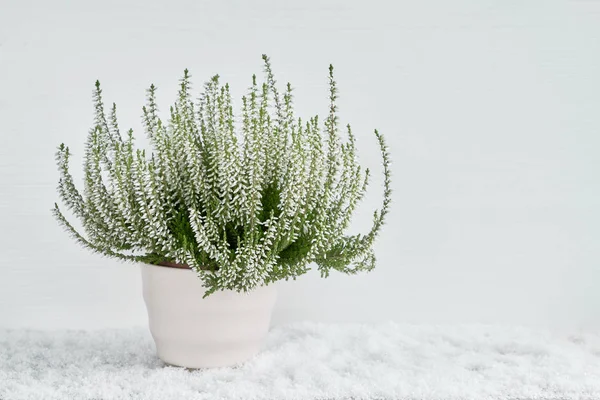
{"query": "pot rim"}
(168, 264)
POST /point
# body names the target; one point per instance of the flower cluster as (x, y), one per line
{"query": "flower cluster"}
(243, 202)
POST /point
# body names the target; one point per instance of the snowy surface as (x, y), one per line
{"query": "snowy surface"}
(312, 361)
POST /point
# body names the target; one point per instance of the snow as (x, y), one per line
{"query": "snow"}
(312, 361)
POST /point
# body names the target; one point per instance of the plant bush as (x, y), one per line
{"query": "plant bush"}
(243, 202)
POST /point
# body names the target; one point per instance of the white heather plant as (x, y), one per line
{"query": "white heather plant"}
(243, 203)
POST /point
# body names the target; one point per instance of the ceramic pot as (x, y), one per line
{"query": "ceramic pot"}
(224, 329)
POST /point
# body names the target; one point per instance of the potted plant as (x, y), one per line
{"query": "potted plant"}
(239, 203)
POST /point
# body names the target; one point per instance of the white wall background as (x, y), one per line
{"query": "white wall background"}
(491, 110)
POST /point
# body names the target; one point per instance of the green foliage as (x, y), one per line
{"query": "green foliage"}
(243, 203)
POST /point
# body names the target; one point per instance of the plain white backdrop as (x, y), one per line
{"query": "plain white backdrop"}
(491, 110)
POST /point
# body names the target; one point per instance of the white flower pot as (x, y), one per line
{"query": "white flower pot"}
(226, 328)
